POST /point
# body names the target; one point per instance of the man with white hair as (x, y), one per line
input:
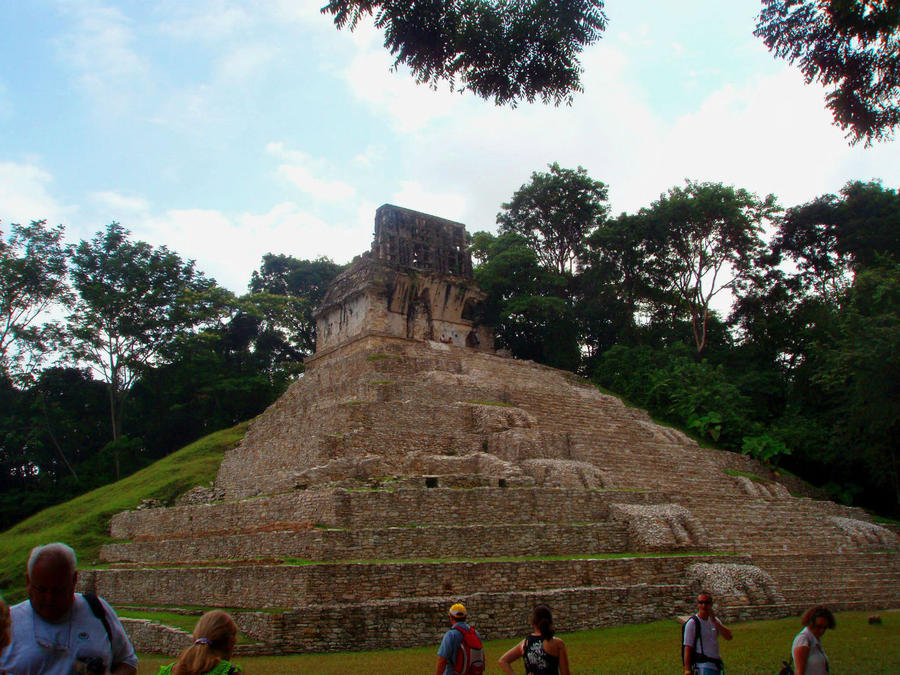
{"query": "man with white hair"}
(58, 631)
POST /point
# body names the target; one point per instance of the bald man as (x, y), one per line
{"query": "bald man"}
(55, 631)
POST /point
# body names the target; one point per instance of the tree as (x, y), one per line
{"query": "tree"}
(699, 241)
(133, 301)
(859, 370)
(301, 286)
(616, 276)
(848, 45)
(525, 301)
(555, 214)
(833, 237)
(32, 279)
(509, 51)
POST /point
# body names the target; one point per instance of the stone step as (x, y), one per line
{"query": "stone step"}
(402, 622)
(342, 508)
(476, 541)
(274, 586)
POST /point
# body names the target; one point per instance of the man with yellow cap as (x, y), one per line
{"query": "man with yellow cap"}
(460, 650)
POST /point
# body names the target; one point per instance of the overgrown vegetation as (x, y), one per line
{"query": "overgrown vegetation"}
(83, 523)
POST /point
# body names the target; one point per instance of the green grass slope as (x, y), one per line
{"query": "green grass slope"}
(83, 522)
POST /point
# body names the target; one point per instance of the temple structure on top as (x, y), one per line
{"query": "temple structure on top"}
(415, 282)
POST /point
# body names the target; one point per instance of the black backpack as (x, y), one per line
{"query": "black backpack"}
(697, 638)
(94, 602)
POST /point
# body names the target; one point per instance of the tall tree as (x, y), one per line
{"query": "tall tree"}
(850, 46)
(858, 369)
(834, 236)
(555, 213)
(133, 301)
(300, 285)
(507, 51)
(525, 301)
(700, 240)
(32, 279)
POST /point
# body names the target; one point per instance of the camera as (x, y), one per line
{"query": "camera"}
(90, 665)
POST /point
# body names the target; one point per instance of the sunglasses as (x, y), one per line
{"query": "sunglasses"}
(704, 602)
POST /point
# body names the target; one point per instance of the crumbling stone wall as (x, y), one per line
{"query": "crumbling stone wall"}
(415, 282)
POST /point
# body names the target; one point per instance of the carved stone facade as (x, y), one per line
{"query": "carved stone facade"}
(416, 282)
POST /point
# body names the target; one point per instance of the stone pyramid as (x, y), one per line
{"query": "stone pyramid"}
(412, 466)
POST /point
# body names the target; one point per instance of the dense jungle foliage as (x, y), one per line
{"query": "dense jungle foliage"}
(757, 329)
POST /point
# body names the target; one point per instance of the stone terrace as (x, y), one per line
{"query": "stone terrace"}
(397, 476)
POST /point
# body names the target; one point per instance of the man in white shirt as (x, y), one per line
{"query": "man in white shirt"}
(56, 631)
(701, 649)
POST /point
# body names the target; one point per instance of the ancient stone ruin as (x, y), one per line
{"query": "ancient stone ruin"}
(416, 283)
(410, 466)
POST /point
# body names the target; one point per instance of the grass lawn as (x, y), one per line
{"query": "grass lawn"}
(83, 522)
(757, 649)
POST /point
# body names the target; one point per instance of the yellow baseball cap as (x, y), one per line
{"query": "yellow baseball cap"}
(458, 611)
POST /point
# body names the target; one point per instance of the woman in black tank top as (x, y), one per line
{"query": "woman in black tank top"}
(542, 653)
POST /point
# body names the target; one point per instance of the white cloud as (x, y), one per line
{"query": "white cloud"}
(772, 134)
(229, 248)
(25, 195)
(301, 11)
(298, 169)
(117, 203)
(371, 156)
(412, 195)
(245, 61)
(213, 20)
(409, 107)
(100, 48)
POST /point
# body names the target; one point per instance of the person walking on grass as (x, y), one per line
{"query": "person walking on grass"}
(542, 653)
(701, 639)
(809, 657)
(214, 638)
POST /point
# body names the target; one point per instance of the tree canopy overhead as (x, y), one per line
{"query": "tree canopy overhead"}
(850, 46)
(505, 50)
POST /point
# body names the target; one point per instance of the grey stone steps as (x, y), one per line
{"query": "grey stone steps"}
(261, 586)
(436, 541)
(359, 509)
(377, 623)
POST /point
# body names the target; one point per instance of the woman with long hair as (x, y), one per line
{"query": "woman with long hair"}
(542, 653)
(214, 638)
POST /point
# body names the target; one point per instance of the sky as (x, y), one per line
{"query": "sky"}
(226, 130)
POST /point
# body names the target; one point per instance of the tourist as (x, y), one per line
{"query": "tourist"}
(461, 646)
(4, 626)
(542, 653)
(809, 657)
(58, 631)
(701, 639)
(214, 638)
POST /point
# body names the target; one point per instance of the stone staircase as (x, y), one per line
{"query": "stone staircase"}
(398, 476)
